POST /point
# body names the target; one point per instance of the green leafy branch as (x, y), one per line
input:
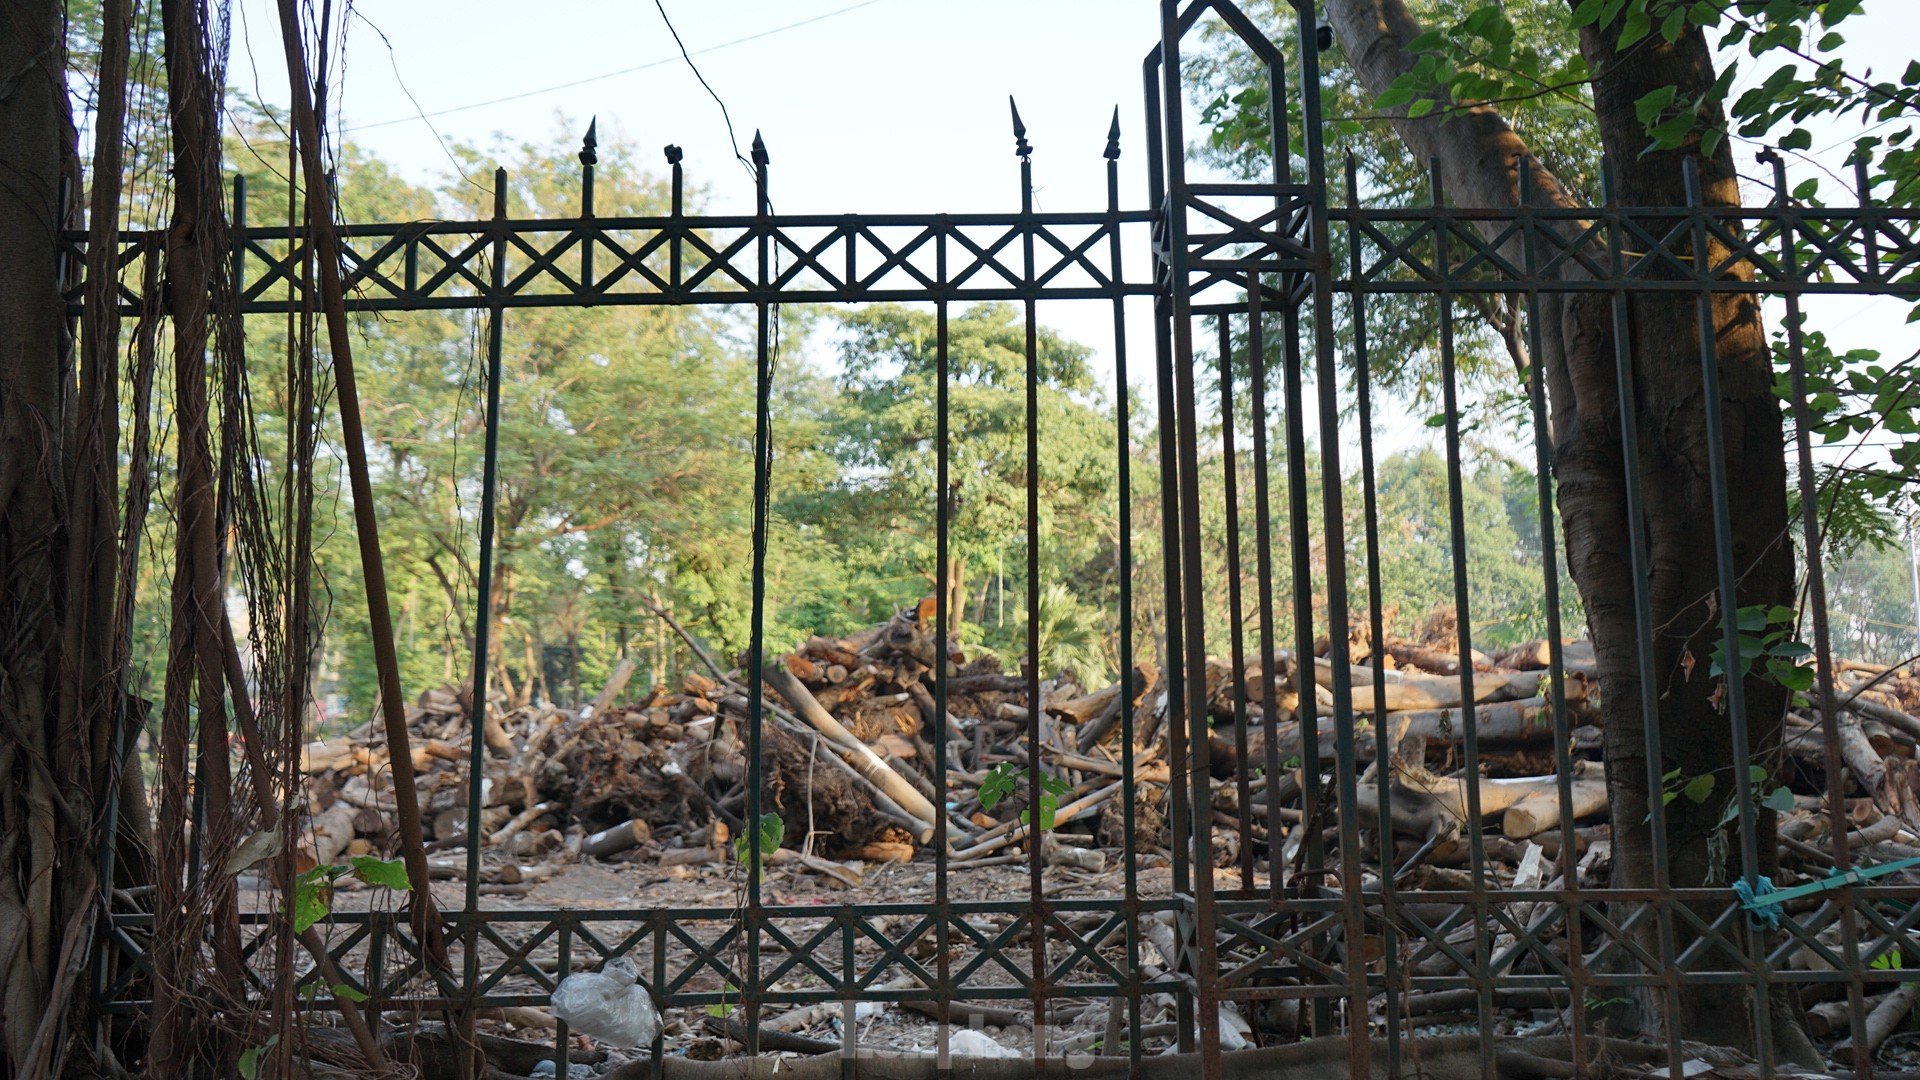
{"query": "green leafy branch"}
(771, 830)
(1766, 637)
(313, 890)
(313, 902)
(1005, 778)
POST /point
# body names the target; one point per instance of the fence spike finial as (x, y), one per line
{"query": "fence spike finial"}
(588, 145)
(674, 153)
(759, 149)
(1112, 152)
(1021, 147)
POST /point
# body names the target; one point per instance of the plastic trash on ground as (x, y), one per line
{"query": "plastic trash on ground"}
(967, 1042)
(609, 1005)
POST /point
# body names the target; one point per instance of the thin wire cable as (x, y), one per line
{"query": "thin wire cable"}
(684, 55)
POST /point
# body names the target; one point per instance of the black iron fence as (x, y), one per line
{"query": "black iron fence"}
(1316, 908)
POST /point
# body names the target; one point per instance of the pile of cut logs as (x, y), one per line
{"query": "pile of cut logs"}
(848, 744)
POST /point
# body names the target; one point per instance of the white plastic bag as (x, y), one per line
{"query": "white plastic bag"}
(609, 1004)
(969, 1043)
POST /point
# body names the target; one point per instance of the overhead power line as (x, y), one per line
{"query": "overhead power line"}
(662, 62)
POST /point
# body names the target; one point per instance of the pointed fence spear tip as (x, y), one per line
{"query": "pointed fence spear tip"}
(1021, 147)
(588, 144)
(1113, 137)
(759, 149)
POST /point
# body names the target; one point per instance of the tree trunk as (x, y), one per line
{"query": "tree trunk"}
(36, 880)
(1480, 156)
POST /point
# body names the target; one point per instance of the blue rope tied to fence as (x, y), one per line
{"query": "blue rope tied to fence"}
(1763, 901)
(1761, 913)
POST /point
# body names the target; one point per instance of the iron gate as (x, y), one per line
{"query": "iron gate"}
(1252, 264)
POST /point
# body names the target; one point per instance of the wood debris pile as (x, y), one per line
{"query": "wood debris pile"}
(848, 742)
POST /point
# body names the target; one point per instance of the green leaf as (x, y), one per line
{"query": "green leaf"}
(1651, 104)
(249, 1063)
(389, 872)
(1421, 108)
(1756, 774)
(1674, 24)
(1049, 805)
(347, 993)
(309, 905)
(1698, 788)
(773, 829)
(1638, 25)
(1779, 800)
(997, 784)
(1793, 677)
(1797, 139)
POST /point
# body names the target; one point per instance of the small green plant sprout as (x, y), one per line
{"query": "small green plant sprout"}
(249, 1064)
(1006, 778)
(1696, 789)
(313, 890)
(725, 1008)
(771, 831)
(1675, 784)
(1779, 800)
(1766, 637)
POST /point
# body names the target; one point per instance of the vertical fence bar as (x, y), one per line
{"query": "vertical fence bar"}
(564, 967)
(1544, 491)
(751, 993)
(1384, 752)
(1173, 646)
(676, 242)
(1243, 771)
(1729, 606)
(1129, 872)
(1836, 769)
(589, 157)
(1036, 831)
(943, 523)
(1312, 853)
(1359, 1046)
(483, 601)
(1638, 562)
(1194, 657)
(1263, 584)
(1463, 616)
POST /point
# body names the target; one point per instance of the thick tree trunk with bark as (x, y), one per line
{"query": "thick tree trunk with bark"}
(35, 146)
(1481, 155)
(62, 641)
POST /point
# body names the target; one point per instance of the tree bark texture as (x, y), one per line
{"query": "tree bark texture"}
(1480, 156)
(62, 655)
